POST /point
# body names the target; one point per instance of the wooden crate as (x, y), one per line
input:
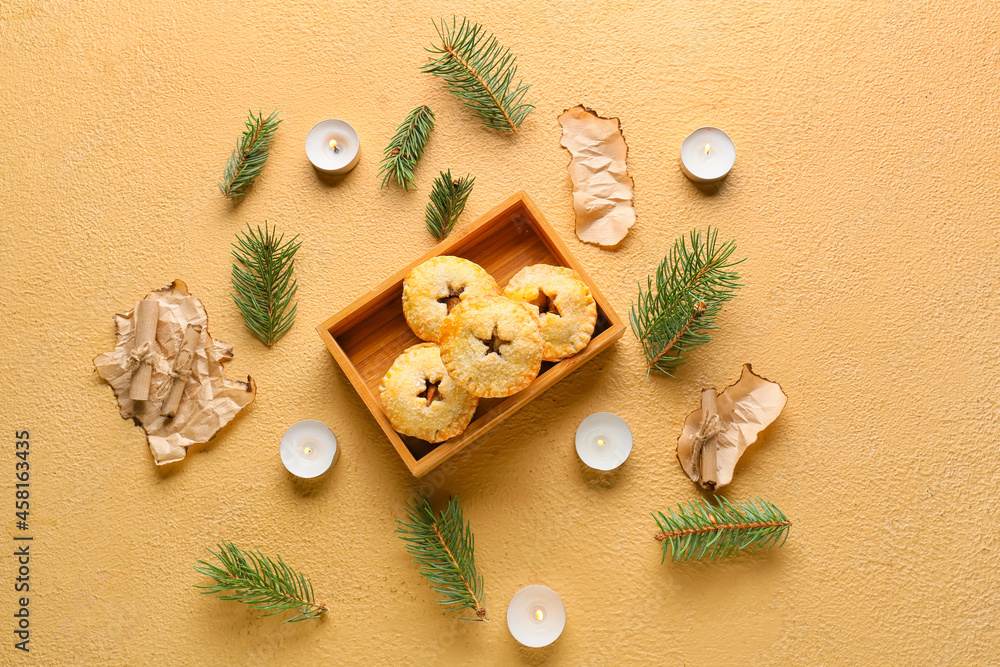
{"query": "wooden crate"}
(367, 336)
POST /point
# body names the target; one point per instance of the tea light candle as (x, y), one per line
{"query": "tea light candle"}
(333, 146)
(309, 448)
(707, 155)
(536, 616)
(603, 441)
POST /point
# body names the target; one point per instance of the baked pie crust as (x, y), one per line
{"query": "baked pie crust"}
(492, 346)
(563, 304)
(432, 289)
(420, 398)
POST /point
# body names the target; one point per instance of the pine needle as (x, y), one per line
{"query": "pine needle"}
(443, 547)
(481, 72)
(703, 530)
(675, 312)
(262, 278)
(250, 154)
(447, 202)
(260, 582)
(403, 153)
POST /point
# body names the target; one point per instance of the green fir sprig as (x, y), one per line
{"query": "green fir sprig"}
(680, 305)
(261, 582)
(262, 278)
(403, 153)
(701, 529)
(443, 546)
(481, 72)
(250, 154)
(448, 197)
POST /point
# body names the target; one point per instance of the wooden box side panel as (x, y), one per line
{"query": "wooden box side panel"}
(371, 401)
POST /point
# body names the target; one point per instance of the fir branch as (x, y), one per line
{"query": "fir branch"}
(250, 154)
(260, 582)
(704, 530)
(674, 313)
(447, 202)
(443, 547)
(481, 72)
(263, 281)
(403, 153)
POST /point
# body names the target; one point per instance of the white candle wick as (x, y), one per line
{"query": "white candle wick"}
(601, 443)
(708, 148)
(537, 614)
(334, 146)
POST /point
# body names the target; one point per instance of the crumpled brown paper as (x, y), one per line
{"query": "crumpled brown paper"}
(602, 188)
(745, 409)
(210, 400)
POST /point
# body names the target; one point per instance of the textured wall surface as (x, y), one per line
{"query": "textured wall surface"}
(864, 198)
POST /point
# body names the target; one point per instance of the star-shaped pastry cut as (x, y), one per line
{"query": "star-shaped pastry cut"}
(495, 342)
(432, 392)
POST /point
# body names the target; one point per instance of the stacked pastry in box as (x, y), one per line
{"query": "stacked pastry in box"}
(481, 343)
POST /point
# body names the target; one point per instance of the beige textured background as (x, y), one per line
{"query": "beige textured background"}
(864, 197)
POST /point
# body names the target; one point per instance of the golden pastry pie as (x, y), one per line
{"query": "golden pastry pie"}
(421, 400)
(432, 289)
(563, 303)
(492, 346)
